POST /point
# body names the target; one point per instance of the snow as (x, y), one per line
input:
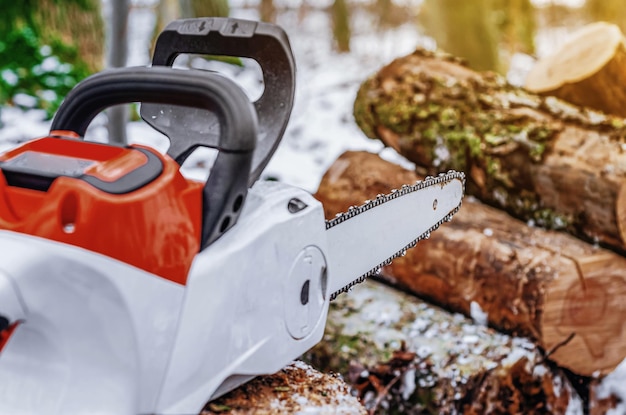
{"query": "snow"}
(408, 383)
(615, 383)
(477, 313)
(321, 126)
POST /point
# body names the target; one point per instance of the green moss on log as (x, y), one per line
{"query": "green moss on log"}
(464, 116)
(455, 118)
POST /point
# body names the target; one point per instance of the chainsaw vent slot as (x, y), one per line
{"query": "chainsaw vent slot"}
(69, 213)
(304, 293)
(237, 204)
(225, 223)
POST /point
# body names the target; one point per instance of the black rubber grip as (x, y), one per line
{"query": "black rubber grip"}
(162, 85)
(226, 186)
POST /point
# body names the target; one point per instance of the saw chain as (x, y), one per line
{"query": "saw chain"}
(380, 199)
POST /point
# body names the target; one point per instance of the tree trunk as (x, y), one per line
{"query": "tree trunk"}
(267, 11)
(541, 159)
(213, 8)
(298, 388)
(117, 41)
(167, 11)
(564, 294)
(75, 23)
(450, 21)
(586, 70)
(341, 25)
(516, 23)
(404, 356)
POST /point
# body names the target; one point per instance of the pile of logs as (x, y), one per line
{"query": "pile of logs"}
(516, 306)
(538, 248)
(545, 286)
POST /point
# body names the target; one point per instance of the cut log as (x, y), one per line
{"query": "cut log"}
(587, 70)
(298, 388)
(549, 286)
(538, 158)
(405, 356)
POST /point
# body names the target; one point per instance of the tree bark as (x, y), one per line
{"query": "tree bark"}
(402, 355)
(586, 70)
(561, 292)
(298, 388)
(540, 159)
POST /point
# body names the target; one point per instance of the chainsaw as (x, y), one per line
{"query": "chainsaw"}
(127, 288)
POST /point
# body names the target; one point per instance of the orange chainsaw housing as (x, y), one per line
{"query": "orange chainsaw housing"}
(6, 334)
(153, 224)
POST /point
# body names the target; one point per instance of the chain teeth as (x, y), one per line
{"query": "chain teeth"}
(380, 199)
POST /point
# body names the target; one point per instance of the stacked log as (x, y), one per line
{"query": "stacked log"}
(542, 160)
(539, 158)
(544, 285)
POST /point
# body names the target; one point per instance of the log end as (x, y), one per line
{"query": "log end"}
(584, 320)
(585, 53)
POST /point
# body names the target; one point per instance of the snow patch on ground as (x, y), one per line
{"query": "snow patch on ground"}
(615, 384)
(477, 314)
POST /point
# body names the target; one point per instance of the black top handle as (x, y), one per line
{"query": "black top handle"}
(265, 43)
(227, 185)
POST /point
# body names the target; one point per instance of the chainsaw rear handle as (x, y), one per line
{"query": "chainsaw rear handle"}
(265, 43)
(226, 187)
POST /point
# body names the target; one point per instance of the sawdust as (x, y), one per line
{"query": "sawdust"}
(296, 389)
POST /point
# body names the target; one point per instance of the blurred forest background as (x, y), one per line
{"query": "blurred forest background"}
(47, 46)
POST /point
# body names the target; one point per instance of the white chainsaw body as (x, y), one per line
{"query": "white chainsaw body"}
(236, 281)
(99, 336)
